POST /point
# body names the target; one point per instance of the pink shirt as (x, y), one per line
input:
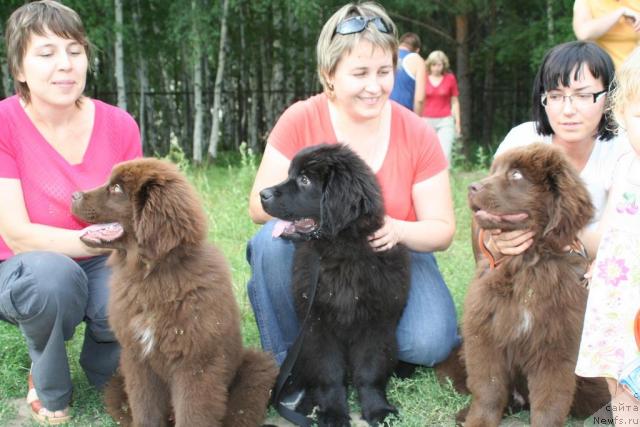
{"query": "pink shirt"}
(47, 179)
(413, 155)
(437, 102)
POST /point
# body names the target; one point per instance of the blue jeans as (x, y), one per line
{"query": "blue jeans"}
(47, 295)
(427, 331)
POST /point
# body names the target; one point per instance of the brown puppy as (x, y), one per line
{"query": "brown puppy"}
(172, 305)
(523, 319)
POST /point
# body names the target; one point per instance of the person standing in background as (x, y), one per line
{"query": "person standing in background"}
(442, 108)
(613, 24)
(411, 76)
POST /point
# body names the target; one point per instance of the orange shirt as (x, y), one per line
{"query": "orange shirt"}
(413, 156)
(620, 40)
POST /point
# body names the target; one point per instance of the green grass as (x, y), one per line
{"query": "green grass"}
(224, 189)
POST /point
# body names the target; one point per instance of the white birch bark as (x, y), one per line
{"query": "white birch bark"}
(197, 92)
(143, 78)
(119, 57)
(214, 139)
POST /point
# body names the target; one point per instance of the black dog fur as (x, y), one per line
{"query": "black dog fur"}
(335, 203)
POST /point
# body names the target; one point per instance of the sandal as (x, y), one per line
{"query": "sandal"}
(42, 414)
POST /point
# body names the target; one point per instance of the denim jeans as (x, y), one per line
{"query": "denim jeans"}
(47, 295)
(427, 331)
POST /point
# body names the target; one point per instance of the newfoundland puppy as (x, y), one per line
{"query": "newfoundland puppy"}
(523, 318)
(329, 205)
(172, 306)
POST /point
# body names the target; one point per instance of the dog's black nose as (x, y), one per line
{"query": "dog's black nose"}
(474, 187)
(266, 194)
(76, 195)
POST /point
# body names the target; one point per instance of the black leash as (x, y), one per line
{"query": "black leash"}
(292, 355)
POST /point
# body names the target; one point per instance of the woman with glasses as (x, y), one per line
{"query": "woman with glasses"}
(357, 53)
(569, 110)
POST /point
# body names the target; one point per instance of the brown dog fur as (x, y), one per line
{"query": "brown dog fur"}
(523, 320)
(172, 306)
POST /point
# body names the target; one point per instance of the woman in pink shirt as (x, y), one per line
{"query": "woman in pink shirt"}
(54, 141)
(441, 106)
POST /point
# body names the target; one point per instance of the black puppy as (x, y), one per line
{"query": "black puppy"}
(331, 204)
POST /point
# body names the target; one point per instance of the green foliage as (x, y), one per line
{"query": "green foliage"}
(177, 155)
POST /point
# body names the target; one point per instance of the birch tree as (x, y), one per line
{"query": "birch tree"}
(197, 84)
(119, 56)
(216, 112)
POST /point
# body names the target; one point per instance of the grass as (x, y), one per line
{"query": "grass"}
(224, 189)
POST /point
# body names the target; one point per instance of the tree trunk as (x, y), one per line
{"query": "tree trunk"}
(198, 106)
(277, 67)
(148, 141)
(119, 57)
(464, 79)
(550, 23)
(488, 104)
(214, 139)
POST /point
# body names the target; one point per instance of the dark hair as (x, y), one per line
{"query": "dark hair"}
(412, 40)
(559, 65)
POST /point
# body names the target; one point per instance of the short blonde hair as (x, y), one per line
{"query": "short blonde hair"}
(39, 18)
(437, 56)
(626, 86)
(332, 47)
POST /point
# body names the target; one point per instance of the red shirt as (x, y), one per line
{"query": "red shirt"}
(413, 155)
(437, 103)
(46, 178)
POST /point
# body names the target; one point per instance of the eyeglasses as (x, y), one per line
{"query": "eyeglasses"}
(357, 24)
(553, 100)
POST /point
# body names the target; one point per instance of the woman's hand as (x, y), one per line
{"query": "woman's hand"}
(508, 243)
(387, 236)
(632, 17)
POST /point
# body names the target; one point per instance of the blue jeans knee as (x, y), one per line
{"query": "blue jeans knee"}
(427, 331)
(270, 291)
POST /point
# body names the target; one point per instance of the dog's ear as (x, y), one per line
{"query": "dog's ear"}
(350, 193)
(166, 214)
(571, 208)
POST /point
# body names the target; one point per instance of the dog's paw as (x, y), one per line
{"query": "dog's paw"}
(461, 416)
(376, 416)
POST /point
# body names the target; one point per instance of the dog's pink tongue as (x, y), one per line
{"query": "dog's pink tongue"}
(102, 232)
(515, 217)
(279, 227)
(487, 216)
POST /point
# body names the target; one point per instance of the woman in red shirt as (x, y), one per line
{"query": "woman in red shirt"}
(357, 51)
(442, 109)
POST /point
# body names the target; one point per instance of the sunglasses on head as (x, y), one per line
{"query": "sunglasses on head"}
(357, 24)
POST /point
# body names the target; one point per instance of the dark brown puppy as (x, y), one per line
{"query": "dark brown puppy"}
(523, 319)
(172, 305)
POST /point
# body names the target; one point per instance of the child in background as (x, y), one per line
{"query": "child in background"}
(608, 347)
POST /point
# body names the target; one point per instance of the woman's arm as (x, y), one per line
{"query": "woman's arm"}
(591, 238)
(421, 81)
(435, 225)
(455, 111)
(21, 235)
(273, 170)
(586, 27)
